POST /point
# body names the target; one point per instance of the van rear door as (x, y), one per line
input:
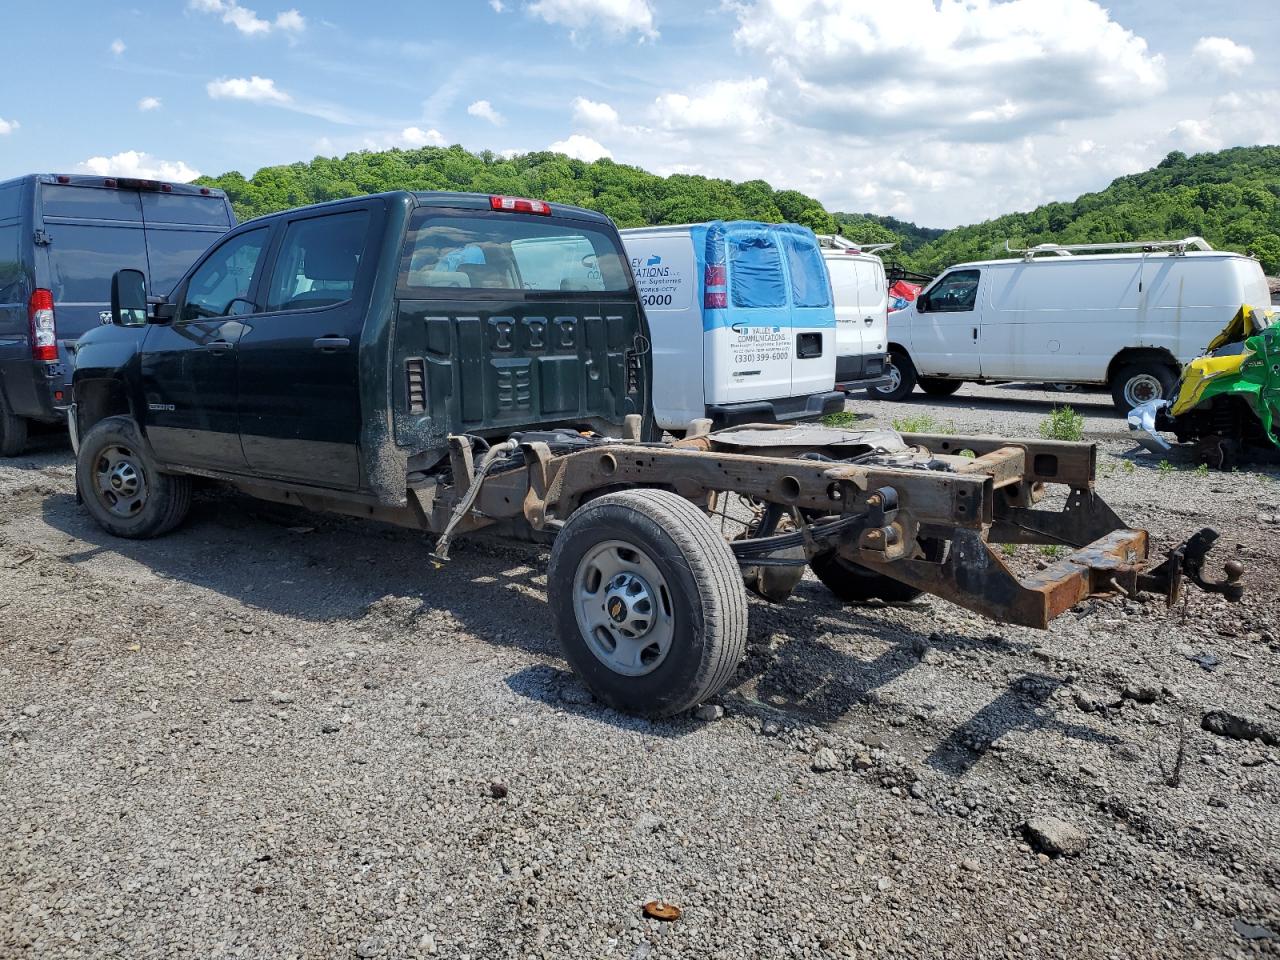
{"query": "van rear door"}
(813, 318)
(750, 341)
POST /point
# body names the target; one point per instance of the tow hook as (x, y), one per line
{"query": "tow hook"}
(1188, 559)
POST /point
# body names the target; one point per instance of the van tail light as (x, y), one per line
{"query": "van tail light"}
(716, 275)
(519, 205)
(44, 335)
(715, 301)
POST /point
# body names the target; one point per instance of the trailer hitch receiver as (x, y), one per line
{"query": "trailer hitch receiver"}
(1189, 559)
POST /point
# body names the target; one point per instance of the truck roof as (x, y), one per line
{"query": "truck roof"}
(94, 180)
(454, 200)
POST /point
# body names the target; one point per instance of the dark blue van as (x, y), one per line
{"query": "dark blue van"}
(61, 239)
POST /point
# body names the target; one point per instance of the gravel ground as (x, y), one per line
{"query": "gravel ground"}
(273, 734)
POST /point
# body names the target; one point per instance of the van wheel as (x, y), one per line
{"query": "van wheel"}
(13, 430)
(1137, 383)
(936, 387)
(120, 486)
(902, 379)
(854, 583)
(648, 602)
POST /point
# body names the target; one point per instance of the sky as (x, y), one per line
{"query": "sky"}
(939, 111)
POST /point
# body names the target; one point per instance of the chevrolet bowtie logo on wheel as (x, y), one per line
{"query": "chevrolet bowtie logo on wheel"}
(617, 609)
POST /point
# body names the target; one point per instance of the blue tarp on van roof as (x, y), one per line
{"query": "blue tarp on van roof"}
(758, 273)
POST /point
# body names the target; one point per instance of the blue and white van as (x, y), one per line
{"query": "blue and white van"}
(742, 322)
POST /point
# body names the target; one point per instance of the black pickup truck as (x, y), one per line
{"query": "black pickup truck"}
(450, 362)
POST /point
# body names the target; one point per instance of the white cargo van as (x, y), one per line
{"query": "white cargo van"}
(861, 294)
(742, 322)
(1073, 314)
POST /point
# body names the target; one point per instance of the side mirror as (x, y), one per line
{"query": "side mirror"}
(922, 305)
(128, 298)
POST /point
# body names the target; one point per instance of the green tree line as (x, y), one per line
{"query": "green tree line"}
(1231, 198)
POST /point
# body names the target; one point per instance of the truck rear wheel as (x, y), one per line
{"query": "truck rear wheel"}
(120, 486)
(13, 430)
(1137, 383)
(902, 379)
(648, 602)
(936, 387)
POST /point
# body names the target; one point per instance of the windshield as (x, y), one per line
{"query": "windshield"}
(506, 252)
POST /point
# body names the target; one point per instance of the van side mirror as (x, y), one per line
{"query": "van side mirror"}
(128, 298)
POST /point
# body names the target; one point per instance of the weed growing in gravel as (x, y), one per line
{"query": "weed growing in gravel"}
(1166, 466)
(841, 418)
(1009, 549)
(923, 423)
(1052, 550)
(1128, 467)
(1203, 469)
(1063, 423)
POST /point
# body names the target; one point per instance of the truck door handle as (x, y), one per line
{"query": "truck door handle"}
(975, 333)
(868, 321)
(219, 346)
(331, 344)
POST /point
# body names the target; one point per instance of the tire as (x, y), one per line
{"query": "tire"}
(120, 486)
(935, 387)
(1136, 383)
(900, 364)
(697, 608)
(854, 583)
(13, 430)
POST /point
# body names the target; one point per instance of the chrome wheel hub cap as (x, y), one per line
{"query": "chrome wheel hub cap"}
(1142, 389)
(120, 484)
(623, 608)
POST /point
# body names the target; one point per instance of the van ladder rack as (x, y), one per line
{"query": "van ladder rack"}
(837, 242)
(1176, 247)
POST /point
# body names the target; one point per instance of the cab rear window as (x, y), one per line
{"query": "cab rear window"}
(446, 254)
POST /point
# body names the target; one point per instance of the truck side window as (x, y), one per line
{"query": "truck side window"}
(957, 292)
(318, 261)
(226, 275)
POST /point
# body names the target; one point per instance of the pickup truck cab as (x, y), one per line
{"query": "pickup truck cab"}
(334, 347)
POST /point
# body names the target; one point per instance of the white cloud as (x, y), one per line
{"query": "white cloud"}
(1195, 136)
(291, 21)
(970, 69)
(413, 137)
(149, 103)
(593, 114)
(1223, 55)
(484, 110)
(255, 88)
(117, 46)
(247, 21)
(617, 17)
(723, 105)
(498, 6)
(581, 147)
(7, 126)
(135, 163)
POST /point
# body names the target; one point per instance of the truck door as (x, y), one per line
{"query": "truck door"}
(945, 330)
(844, 287)
(873, 299)
(299, 389)
(188, 367)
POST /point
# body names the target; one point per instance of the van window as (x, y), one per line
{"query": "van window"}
(12, 288)
(448, 252)
(957, 292)
(225, 276)
(171, 252)
(755, 271)
(11, 200)
(91, 203)
(809, 284)
(318, 261)
(184, 208)
(82, 259)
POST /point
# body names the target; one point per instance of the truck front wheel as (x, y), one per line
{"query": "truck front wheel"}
(648, 602)
(1137, 383)
(13, 430)
(902, 379)
(120, 486)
